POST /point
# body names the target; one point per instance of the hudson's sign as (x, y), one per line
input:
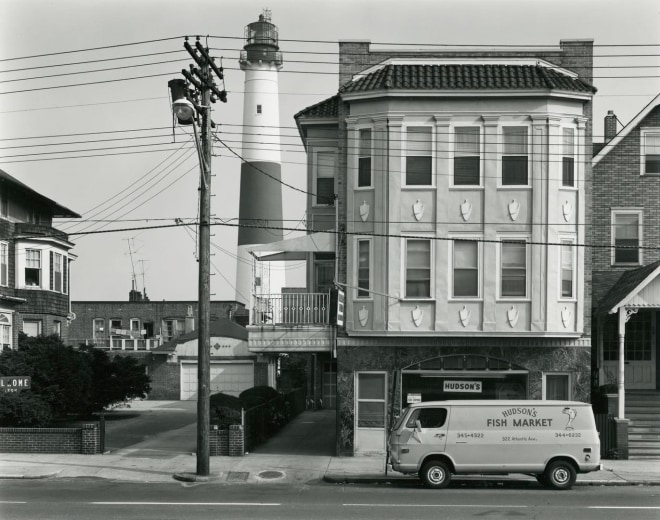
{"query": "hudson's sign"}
(14, 383)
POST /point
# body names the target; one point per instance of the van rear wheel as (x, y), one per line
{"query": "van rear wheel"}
(435, 474)
(560, 474)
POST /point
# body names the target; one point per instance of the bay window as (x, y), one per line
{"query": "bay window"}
(514, 156)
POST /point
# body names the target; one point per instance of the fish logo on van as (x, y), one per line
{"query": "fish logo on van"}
(572, 414)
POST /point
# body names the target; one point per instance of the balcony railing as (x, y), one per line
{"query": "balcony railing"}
(122, 343)
(292, 309)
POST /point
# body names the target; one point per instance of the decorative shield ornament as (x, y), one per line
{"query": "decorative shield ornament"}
(512, 316)
(514, 209)
(363, 316)
(466, 210)
(464, 315)
(364, 211)
(566, 316)
(418, 210)
(567, 210)
(417, 315)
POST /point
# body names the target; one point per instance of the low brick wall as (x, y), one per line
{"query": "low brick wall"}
(85, 440)
(229, 442)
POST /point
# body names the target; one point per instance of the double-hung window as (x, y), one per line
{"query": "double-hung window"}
(57, 264)
(513, 268)
(5, 332)
(363, 268)
(568, 158)
(650, 160)
(567, 268)
(466, 156)
(325, 178)
(33, 267)
(364, 159)
(418, 268)
(514, 156)
(419, 163)
(4, 264)
(466, 268)
(626, 237)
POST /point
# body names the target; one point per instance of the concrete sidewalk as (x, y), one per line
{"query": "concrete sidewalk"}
(300, 453)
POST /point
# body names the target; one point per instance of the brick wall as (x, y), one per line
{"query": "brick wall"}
(85, 440)
(618, 184)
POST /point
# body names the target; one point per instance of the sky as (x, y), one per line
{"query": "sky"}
(89, 78)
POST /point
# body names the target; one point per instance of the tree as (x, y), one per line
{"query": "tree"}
(65, 381)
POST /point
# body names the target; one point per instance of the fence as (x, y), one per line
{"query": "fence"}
(262, 421)
(607, 430)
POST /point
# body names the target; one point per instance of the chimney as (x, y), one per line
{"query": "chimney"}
(610, 125)
(189, 324)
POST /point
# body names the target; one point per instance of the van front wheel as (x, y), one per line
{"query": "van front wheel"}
(560, 474)
(435, 474)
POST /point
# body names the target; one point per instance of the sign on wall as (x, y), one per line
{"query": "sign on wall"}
(10, 384)
(462, 386)
(414, 398)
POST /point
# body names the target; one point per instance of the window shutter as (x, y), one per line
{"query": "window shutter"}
(52, 270)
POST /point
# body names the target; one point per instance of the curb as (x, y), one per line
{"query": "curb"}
(343, 479)
(9, 476)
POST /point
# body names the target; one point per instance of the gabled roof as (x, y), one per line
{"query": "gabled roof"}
(56, 209)
(626, 130)
(222, 328)
(630, 284)
(326, 109)
(467, 77)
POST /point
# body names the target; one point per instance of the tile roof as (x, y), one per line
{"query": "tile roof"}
(328, 108)
(466, 77)
(625, 285)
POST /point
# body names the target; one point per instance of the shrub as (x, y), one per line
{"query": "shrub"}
(257, 395)
(24, 410)
(225, 410)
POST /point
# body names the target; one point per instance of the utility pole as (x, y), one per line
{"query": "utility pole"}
(204, 93)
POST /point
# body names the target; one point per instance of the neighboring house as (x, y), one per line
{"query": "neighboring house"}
(34, 264)
(149, 329)
(448, 193)
(626, 272)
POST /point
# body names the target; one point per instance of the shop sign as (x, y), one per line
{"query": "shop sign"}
(462, 386)
(414, 398)
(10, 384)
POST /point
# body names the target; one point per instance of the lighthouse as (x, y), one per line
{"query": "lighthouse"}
(260, 206)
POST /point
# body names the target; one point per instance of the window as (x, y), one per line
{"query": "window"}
(514, 156)
(513, 268)
(419, 156)
(5, 331)
(4, 264)
(567, 268)
(57, 265)
(364, 159)
(115, 324)
(173, 328)
(258, 109)
(57, 328)
(639, 341)
(99, 327)
(556, 387)
(4, 205)
(371, 400)
(325, 178)
(364, 259)
(466, 156)
(466, 268)
(568, 158)
(135, 325)
(650, 160)
(626, 233)
(32, 327)
(418, 268)
(428, 418)
(33, 267)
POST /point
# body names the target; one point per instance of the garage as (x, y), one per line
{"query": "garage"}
(227, 377)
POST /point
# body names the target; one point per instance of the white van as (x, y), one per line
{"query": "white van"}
(552, 440)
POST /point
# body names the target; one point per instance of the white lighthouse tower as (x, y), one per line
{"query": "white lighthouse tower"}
(260, 208)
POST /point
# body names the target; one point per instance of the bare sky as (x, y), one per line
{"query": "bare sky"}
(153, 188)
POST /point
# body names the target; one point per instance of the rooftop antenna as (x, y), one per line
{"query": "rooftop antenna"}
(130, 253)
(144, 285)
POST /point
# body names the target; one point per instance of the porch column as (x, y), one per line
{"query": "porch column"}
(620, 378)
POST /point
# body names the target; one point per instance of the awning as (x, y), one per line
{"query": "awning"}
(294, 248)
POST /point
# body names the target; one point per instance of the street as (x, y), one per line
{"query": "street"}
(84, 499)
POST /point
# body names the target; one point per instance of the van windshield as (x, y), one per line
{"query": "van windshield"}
(399, 420)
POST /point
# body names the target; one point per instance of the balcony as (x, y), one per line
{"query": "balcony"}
(115, 343)
(290, 322)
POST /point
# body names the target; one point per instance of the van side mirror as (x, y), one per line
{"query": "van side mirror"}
(418, 426)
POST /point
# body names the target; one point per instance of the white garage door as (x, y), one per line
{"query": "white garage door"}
(229, 378)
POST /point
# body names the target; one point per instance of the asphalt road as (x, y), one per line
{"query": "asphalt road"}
(104, 500)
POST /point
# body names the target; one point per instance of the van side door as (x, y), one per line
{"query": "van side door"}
(426, 432)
